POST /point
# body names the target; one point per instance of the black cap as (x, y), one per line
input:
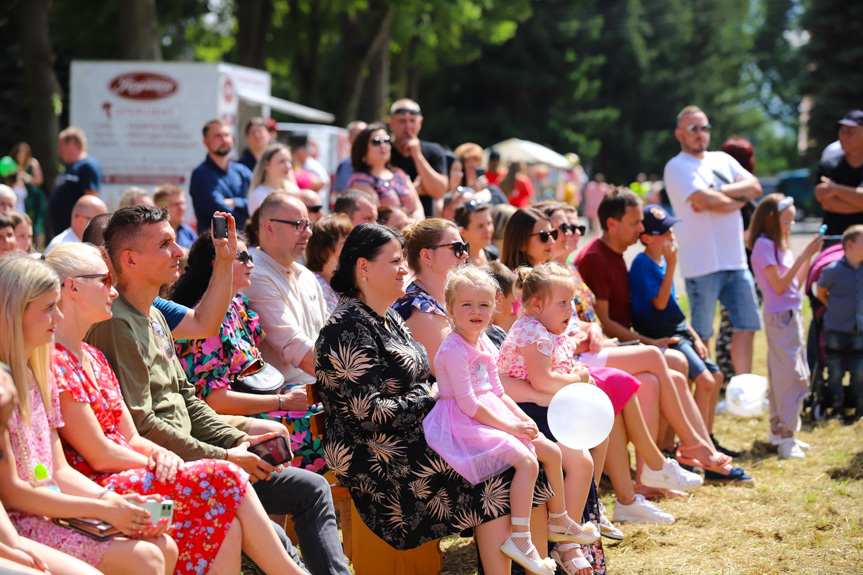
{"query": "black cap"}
(657, 221)
(852, 118)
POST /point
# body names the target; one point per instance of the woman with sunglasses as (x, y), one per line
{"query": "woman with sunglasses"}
(370, 158)
(476, 227)
(211, 364)
(273, 172)
(215, 509)
(433, 247)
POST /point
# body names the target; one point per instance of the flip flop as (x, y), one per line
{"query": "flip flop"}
(736, 476)
(695, 462)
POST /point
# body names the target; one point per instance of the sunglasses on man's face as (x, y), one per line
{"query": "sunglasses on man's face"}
(694, 128)
(245, 257)
(314, 209)
(544, 235)
(105, 278)
(460, 249)
(407, 111)
(378, 141)
(572, 228)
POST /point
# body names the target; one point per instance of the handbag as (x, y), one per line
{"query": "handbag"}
(93, 528)
(259, 377)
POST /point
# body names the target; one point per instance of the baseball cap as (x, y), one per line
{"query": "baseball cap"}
(852, 118)
(657, 221)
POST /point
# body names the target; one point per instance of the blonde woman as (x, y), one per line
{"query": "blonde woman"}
(273, 172)
(36, 483)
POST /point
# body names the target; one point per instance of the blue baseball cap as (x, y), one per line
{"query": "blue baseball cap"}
(657, 220)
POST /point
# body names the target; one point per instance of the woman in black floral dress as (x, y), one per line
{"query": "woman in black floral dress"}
(372, 378)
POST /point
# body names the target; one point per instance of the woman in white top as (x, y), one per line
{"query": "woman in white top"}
(274, 172)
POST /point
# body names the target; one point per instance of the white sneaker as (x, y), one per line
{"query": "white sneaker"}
(641, 511)
(671, 476)
(788, 449)
(776, 440)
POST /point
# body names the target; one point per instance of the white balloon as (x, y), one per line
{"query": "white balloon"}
(580, 416)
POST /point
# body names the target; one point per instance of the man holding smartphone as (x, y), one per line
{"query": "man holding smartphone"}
(163, 405)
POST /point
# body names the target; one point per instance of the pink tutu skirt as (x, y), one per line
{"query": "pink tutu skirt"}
(476, 451)
(618, 385)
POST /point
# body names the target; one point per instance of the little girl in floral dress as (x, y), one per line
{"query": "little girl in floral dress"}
(481, 432)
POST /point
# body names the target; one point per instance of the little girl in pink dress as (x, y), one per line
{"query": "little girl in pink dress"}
(480, 431)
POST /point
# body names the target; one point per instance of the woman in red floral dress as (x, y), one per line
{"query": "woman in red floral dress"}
(215, 514)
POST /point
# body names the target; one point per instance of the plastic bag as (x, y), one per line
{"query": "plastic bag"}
(746, 395)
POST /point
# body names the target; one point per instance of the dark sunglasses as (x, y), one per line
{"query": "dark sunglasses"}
(544, 235)
(694, 128)
(245, 257)
(105, 277)
(564, 228)
(460, 249)
(408, 111)
(314, 209)
(378, 141)
(301, 225)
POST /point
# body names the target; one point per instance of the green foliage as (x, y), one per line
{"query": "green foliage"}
(834, 56)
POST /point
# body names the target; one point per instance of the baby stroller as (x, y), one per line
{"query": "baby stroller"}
(815, 402)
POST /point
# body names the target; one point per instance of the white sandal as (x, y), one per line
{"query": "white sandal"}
(586, 534)
(529, 559)
(572, 566)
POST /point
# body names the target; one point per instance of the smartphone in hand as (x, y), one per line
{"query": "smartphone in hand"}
(275, 451)
(220, 227)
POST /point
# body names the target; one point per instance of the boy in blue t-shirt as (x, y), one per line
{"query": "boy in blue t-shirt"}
(655, 312)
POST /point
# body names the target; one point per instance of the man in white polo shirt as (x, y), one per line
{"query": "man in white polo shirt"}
(707, 190)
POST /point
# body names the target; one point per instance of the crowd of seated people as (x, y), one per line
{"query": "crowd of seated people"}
(115, 396)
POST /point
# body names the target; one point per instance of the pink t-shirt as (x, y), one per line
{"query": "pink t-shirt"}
(766, 253)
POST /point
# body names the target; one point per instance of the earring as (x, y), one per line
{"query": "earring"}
(365, 278)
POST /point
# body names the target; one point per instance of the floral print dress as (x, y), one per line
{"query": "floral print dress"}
(210, 364)
(206, 492)
(31, 445)
(372, 378)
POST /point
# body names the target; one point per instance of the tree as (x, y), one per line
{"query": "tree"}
(138, 26)
(834, 57)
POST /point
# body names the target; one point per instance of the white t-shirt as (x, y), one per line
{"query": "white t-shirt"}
(67, 236)
(709, 241)
(257, 197)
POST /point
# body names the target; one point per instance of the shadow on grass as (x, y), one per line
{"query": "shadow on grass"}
(853, 471)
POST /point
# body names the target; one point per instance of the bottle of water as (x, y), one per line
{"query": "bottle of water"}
(43, 478)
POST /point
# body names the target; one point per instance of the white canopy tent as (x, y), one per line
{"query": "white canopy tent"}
(516, 150)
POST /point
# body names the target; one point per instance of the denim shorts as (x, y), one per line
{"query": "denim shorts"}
(696, 364)
(735, 289)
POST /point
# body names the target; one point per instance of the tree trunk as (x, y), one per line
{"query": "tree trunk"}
(254, 21)
(308, 53)
(377, 84)
(361, 36)
(40, 84)
(138, 26)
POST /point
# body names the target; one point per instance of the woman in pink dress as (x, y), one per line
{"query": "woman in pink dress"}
(216, 515)
(36, 483)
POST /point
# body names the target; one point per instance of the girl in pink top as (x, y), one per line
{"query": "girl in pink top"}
(481, 432)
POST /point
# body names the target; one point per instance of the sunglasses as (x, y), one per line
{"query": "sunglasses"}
(408, 111)
(571, 228)
(378, 141)
(105, 278)
(544, 235)
(301, 225)
(314, 209)
(460, 249)
(245, 257)
(694, 128)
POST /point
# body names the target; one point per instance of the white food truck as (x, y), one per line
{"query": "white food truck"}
(143, 120)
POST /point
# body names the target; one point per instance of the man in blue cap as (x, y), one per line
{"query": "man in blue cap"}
(839, 179)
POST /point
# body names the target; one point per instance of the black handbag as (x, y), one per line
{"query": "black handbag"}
(258, 377)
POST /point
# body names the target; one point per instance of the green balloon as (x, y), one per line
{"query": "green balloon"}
(8, 166)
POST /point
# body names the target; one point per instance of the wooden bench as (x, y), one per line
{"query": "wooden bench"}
(368, 553)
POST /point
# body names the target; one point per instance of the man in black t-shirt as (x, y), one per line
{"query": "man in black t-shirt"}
(425, 160)
(839, 180)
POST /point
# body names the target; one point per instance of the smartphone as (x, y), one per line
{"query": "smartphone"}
(822, 230)
(275, 451)
(158, 510)
(630, 342)
(480, 172)
(220, 227)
